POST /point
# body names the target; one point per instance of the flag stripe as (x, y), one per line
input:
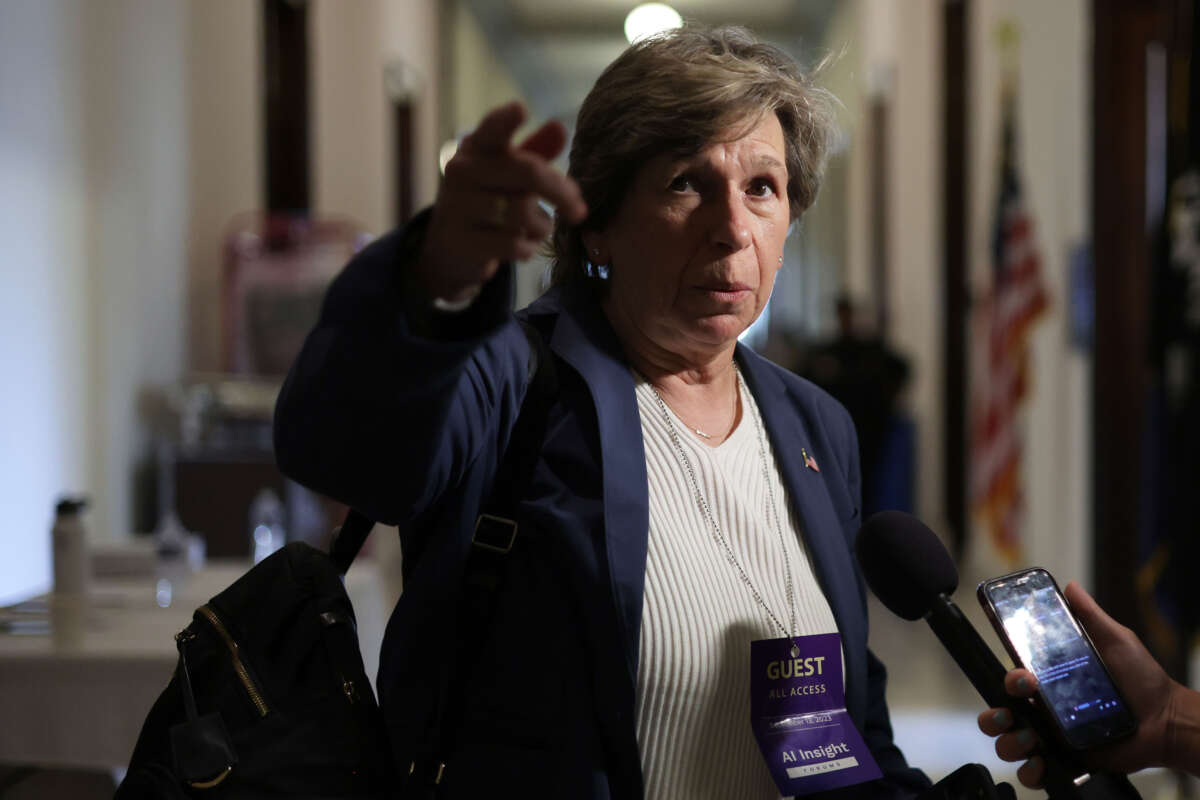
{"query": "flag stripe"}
(1018, 298)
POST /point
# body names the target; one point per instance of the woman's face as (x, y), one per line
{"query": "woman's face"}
(695, 246)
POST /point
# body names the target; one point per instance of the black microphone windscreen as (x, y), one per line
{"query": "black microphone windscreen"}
(904, 563)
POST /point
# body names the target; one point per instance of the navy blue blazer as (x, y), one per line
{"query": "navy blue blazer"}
(404, 414)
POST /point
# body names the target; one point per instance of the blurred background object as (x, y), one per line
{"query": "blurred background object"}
(868, 377)
(277, 267)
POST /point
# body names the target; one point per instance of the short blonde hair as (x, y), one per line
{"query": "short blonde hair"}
(676, 93)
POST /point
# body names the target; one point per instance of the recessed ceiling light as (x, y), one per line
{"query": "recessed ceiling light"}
(649, 19)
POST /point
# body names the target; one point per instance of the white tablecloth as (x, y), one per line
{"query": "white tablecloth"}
(76, 680)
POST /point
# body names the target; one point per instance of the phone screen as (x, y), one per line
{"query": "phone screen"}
(1045, 637)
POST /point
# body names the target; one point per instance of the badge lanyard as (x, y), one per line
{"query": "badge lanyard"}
(718, 534)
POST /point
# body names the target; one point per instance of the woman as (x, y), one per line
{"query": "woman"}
(690, 496)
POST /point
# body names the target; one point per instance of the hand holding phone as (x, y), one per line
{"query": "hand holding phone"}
(1159, 703)
(1036, 625)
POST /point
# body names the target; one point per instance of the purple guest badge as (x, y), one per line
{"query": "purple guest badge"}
(798, 709)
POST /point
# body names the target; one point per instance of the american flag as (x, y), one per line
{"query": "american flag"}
(1016, 300)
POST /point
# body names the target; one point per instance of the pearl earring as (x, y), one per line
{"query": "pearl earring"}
(781, 259)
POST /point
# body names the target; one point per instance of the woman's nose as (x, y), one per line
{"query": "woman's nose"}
(731, 222)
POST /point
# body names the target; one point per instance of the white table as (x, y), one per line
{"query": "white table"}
(77, 684)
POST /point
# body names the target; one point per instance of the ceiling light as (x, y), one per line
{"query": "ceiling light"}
(649, 19)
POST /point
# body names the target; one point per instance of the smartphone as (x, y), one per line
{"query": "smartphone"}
(1032, 618)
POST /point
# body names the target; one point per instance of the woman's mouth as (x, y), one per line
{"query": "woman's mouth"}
(727, 292)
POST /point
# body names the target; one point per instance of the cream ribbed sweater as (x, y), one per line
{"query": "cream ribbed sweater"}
(698, 617)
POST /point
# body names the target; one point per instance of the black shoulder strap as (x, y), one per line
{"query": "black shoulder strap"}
(348, 539)
(495, 528)
(496, 531)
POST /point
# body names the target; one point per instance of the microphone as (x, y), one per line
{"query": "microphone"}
(911, 573)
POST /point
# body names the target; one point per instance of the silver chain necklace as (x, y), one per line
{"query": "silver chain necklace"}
(718, 535)
(687, 424)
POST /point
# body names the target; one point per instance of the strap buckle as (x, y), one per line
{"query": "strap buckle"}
(493, 533)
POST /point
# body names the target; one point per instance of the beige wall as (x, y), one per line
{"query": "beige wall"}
(353, 44)
(136, 145)
(892, 55)
(850, 85)
(823, 255)
(92, 226)
(129, 137)
(914, 234)
(44, 308)
(225, 163)
(411, 34)
(479, 81)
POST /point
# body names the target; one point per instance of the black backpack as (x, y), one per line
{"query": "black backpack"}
(270, 698)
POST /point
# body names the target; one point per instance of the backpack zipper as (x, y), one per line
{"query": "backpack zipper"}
(238, 667)
(184, 636)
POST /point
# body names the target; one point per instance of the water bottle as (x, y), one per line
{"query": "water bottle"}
(266, 524)
(69, 537)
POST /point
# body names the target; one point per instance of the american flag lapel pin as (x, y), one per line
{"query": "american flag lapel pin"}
(809, 461)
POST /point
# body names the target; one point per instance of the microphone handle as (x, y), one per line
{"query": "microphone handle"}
(970, 652)
(1065, 776)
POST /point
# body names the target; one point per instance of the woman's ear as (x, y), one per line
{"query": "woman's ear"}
(597, 253)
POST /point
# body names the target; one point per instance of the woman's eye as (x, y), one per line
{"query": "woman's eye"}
(762, 187)
(681, 183)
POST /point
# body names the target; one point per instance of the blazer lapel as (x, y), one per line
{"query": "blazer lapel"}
(822, 530)
(584, 339)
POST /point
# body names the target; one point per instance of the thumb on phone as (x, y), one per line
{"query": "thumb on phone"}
(1104, 630)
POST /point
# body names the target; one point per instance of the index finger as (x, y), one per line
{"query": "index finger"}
(524, 172)
(547, 141)
(495, 130)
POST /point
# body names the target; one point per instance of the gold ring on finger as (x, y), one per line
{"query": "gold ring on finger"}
(499, 216)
